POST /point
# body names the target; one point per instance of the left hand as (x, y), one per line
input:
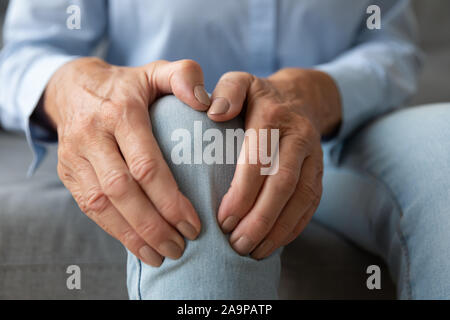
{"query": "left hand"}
(261, 212)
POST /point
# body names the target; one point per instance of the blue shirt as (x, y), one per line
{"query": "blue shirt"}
(375, 69)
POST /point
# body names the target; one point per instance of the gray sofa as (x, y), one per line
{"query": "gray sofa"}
(42, 231)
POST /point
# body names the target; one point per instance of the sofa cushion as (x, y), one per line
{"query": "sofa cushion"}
(42, 232)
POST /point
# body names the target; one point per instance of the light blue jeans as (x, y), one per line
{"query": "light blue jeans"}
(387, 189)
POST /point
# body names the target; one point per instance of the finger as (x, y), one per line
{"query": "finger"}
(149, 168)
(305, 198)
(245, 186)
(94, 203)
(183, 78)
(129, 199)
(275, 193)
(298, 229)
(229, 96)
(306, 218)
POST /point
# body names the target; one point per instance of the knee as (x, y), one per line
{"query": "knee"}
(183, 134)
(169, 113)
(209, 267)
(203, 183)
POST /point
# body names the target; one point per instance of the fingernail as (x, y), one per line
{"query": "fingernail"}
(187, 230)
(201, 95)
(150, 256)
(229, 224)
(219, 106)
(171, 249)
(263, 249)
(243, 245)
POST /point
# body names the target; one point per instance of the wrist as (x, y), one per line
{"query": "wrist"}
(63, 82)
(315, 94)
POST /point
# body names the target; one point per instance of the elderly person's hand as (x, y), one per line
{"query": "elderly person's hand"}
(109, 158)
(266, 212)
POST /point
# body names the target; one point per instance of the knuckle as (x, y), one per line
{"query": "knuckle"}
(275, 115)
(63, 173)
(188, 66)
(239, 198)
(259, 87)
(78, 137)
(144, 169)
(306, 129)
(230, 83)
(168, 207)
(236, 78)
(115, 183)
(227, 76)
(72, 139)
(95, 202)
(64, 139)
(286, 181)
(300, 142)
(79, 199)
(111, 112)
(107, 105)
(147, 230)
(83, 127)
(86, 126)
(129, 238)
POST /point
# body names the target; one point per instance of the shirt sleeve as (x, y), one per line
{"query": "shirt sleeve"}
(41, 36)
(380, 71)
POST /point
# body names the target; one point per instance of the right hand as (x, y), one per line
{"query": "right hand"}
(108, 157)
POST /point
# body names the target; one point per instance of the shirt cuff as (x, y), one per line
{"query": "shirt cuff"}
(357, 89)
(34, 84)
(360, 92)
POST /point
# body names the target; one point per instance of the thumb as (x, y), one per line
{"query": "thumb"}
(229, 96)
(183, 78)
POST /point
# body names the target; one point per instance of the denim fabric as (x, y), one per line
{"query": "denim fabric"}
(209, 268)
(388, 191)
